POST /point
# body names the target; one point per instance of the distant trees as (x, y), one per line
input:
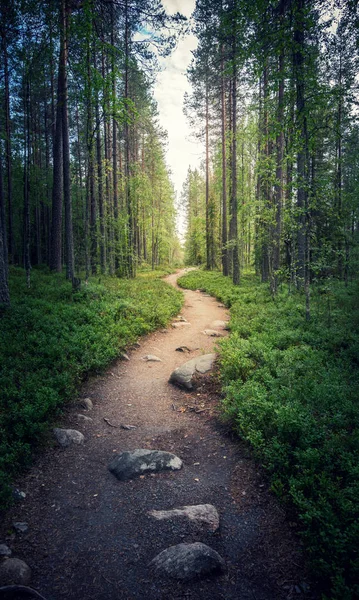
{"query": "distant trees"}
(281, 95)
(76, 122)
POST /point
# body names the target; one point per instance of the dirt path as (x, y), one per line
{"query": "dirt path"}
(90, 537)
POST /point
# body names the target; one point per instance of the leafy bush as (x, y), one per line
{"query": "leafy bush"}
(291, 389)
(51, 337)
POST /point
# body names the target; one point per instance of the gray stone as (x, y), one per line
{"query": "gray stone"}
(200, 513)
(18, 494)
(183, 349)
(188, 561)
(84, 418)
(20, 527)
(5, 550)
(130, 464)
(151, 358)
(14, 571)
(124, 356)
(182, 376)
(86, 403)
(181, 324)
(67, 437)
(213, 333)
(181, 319)
(220, 324)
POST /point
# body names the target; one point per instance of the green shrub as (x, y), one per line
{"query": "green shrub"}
(291, 390)
(51, 338)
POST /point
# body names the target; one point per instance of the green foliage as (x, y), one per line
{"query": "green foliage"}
(291, 390)
(52, 337)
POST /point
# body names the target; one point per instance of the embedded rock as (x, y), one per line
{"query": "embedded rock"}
(18, 494)
(188, 561)
(130, 464)
(5, 550)
(86, 403)
(213, 333)
(14, 571)
(220, 324)
(183, 349)
(181, 324)
(151, 358)
(84, 418)
(182, 376)
(200, 513)
(20, 527)
(67, 437)
(181, 319)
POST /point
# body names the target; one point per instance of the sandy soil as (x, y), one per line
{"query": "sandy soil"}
(90, 536)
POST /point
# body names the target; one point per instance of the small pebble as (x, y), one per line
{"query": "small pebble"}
(20, 526)
(5, 550)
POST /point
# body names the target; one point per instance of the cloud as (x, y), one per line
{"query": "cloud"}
(169, 91)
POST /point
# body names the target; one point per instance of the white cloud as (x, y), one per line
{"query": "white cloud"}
(169, 91)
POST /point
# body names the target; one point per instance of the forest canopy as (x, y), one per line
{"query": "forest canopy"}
(84, 181)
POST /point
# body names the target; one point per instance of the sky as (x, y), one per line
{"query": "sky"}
(169, 91)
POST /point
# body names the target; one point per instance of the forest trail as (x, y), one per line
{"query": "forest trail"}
(90, 536)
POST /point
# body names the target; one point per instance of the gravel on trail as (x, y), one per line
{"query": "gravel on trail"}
(91, 537)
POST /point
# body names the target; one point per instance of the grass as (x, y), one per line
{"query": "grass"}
(51, 338)
(292, 391)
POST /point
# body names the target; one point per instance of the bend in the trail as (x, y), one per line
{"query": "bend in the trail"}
(90, 536)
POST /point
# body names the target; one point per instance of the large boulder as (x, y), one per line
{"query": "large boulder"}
(14, 571)
(183, 375)
(67, 437)
(187, 561)
(199, 513)
(130, 464)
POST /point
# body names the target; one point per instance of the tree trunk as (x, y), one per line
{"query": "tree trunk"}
(234, 201)
(4, 287)
(208, 235)
(130, 232)
(114, 225)
(27, 163)
(224, 172)
(278, 193)
(299, 41)
(100, 183)
(8, 154)
(70, 259)
(57, 186)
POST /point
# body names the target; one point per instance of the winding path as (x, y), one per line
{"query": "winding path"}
(90, 536)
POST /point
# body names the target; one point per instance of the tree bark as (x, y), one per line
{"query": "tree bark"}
(208, 233)
(4, 287)
(57, 186)
(100, 184)
(70, 259)
(234, 200)
(299, 41)
(8, 153)
(224, 171)
(130, 233)
(278, 193)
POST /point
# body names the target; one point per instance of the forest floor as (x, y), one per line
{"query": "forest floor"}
(90, 536)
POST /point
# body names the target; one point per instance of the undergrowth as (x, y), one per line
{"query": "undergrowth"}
(291, 389)
(51, 337)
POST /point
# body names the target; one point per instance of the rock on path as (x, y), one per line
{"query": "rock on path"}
(182, 376)
(213, 333)
(187, 561)
(151, 358)
(128, 465)
(14, 571)
(66, 437)
(199, 513)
